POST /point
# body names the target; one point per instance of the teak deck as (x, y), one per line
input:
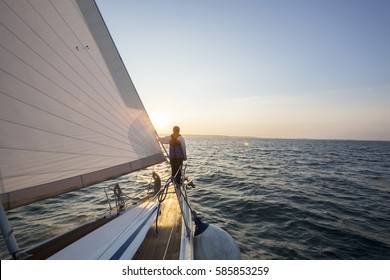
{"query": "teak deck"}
(166, 243)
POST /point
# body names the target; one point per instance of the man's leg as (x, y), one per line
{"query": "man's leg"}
(176, 170)
(178, 176)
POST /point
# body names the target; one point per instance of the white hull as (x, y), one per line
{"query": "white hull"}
(118, 239)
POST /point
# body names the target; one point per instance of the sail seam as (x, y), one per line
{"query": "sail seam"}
(93, 59)
(59, 117)
(52, 98)
(89, 70)
(59, 72)
(62, 135)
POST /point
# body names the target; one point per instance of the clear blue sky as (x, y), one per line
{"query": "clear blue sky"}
(284, 69)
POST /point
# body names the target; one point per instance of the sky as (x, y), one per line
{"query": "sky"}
(260, 68)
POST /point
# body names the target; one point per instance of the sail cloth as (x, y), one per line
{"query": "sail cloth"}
(69, 113)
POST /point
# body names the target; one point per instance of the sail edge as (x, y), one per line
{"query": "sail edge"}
(22, 197)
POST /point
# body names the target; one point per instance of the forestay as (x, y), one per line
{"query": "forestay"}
(69, 113)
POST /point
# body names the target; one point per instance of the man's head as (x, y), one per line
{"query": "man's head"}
(176, 130)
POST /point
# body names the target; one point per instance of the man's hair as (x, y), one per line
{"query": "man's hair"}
(176, 129)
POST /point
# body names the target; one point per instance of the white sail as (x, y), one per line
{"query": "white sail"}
(69, 113)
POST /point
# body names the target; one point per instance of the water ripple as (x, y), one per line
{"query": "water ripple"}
(280, 199)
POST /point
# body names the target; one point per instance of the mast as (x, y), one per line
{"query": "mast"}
(8, 234)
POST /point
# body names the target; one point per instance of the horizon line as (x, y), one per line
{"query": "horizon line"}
(278, 138)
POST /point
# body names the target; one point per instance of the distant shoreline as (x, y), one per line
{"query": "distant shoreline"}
(270, 138)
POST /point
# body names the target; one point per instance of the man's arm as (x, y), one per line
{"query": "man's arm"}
(183, 146)
(164, 140)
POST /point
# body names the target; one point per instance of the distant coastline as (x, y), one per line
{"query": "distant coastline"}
(271, 138)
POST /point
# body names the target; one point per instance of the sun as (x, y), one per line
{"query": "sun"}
(160, 121)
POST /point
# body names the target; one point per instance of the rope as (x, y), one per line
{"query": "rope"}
(162, 195)
(186, 200)
(177, 188)
(130, 224)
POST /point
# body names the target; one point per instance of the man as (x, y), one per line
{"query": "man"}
(177, 152)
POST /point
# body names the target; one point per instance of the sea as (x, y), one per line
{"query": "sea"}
(280, 199)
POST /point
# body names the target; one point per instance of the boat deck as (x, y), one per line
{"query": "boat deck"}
(165, 244)
(47, 249)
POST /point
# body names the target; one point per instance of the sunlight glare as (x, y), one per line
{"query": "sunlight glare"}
(160, 121)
